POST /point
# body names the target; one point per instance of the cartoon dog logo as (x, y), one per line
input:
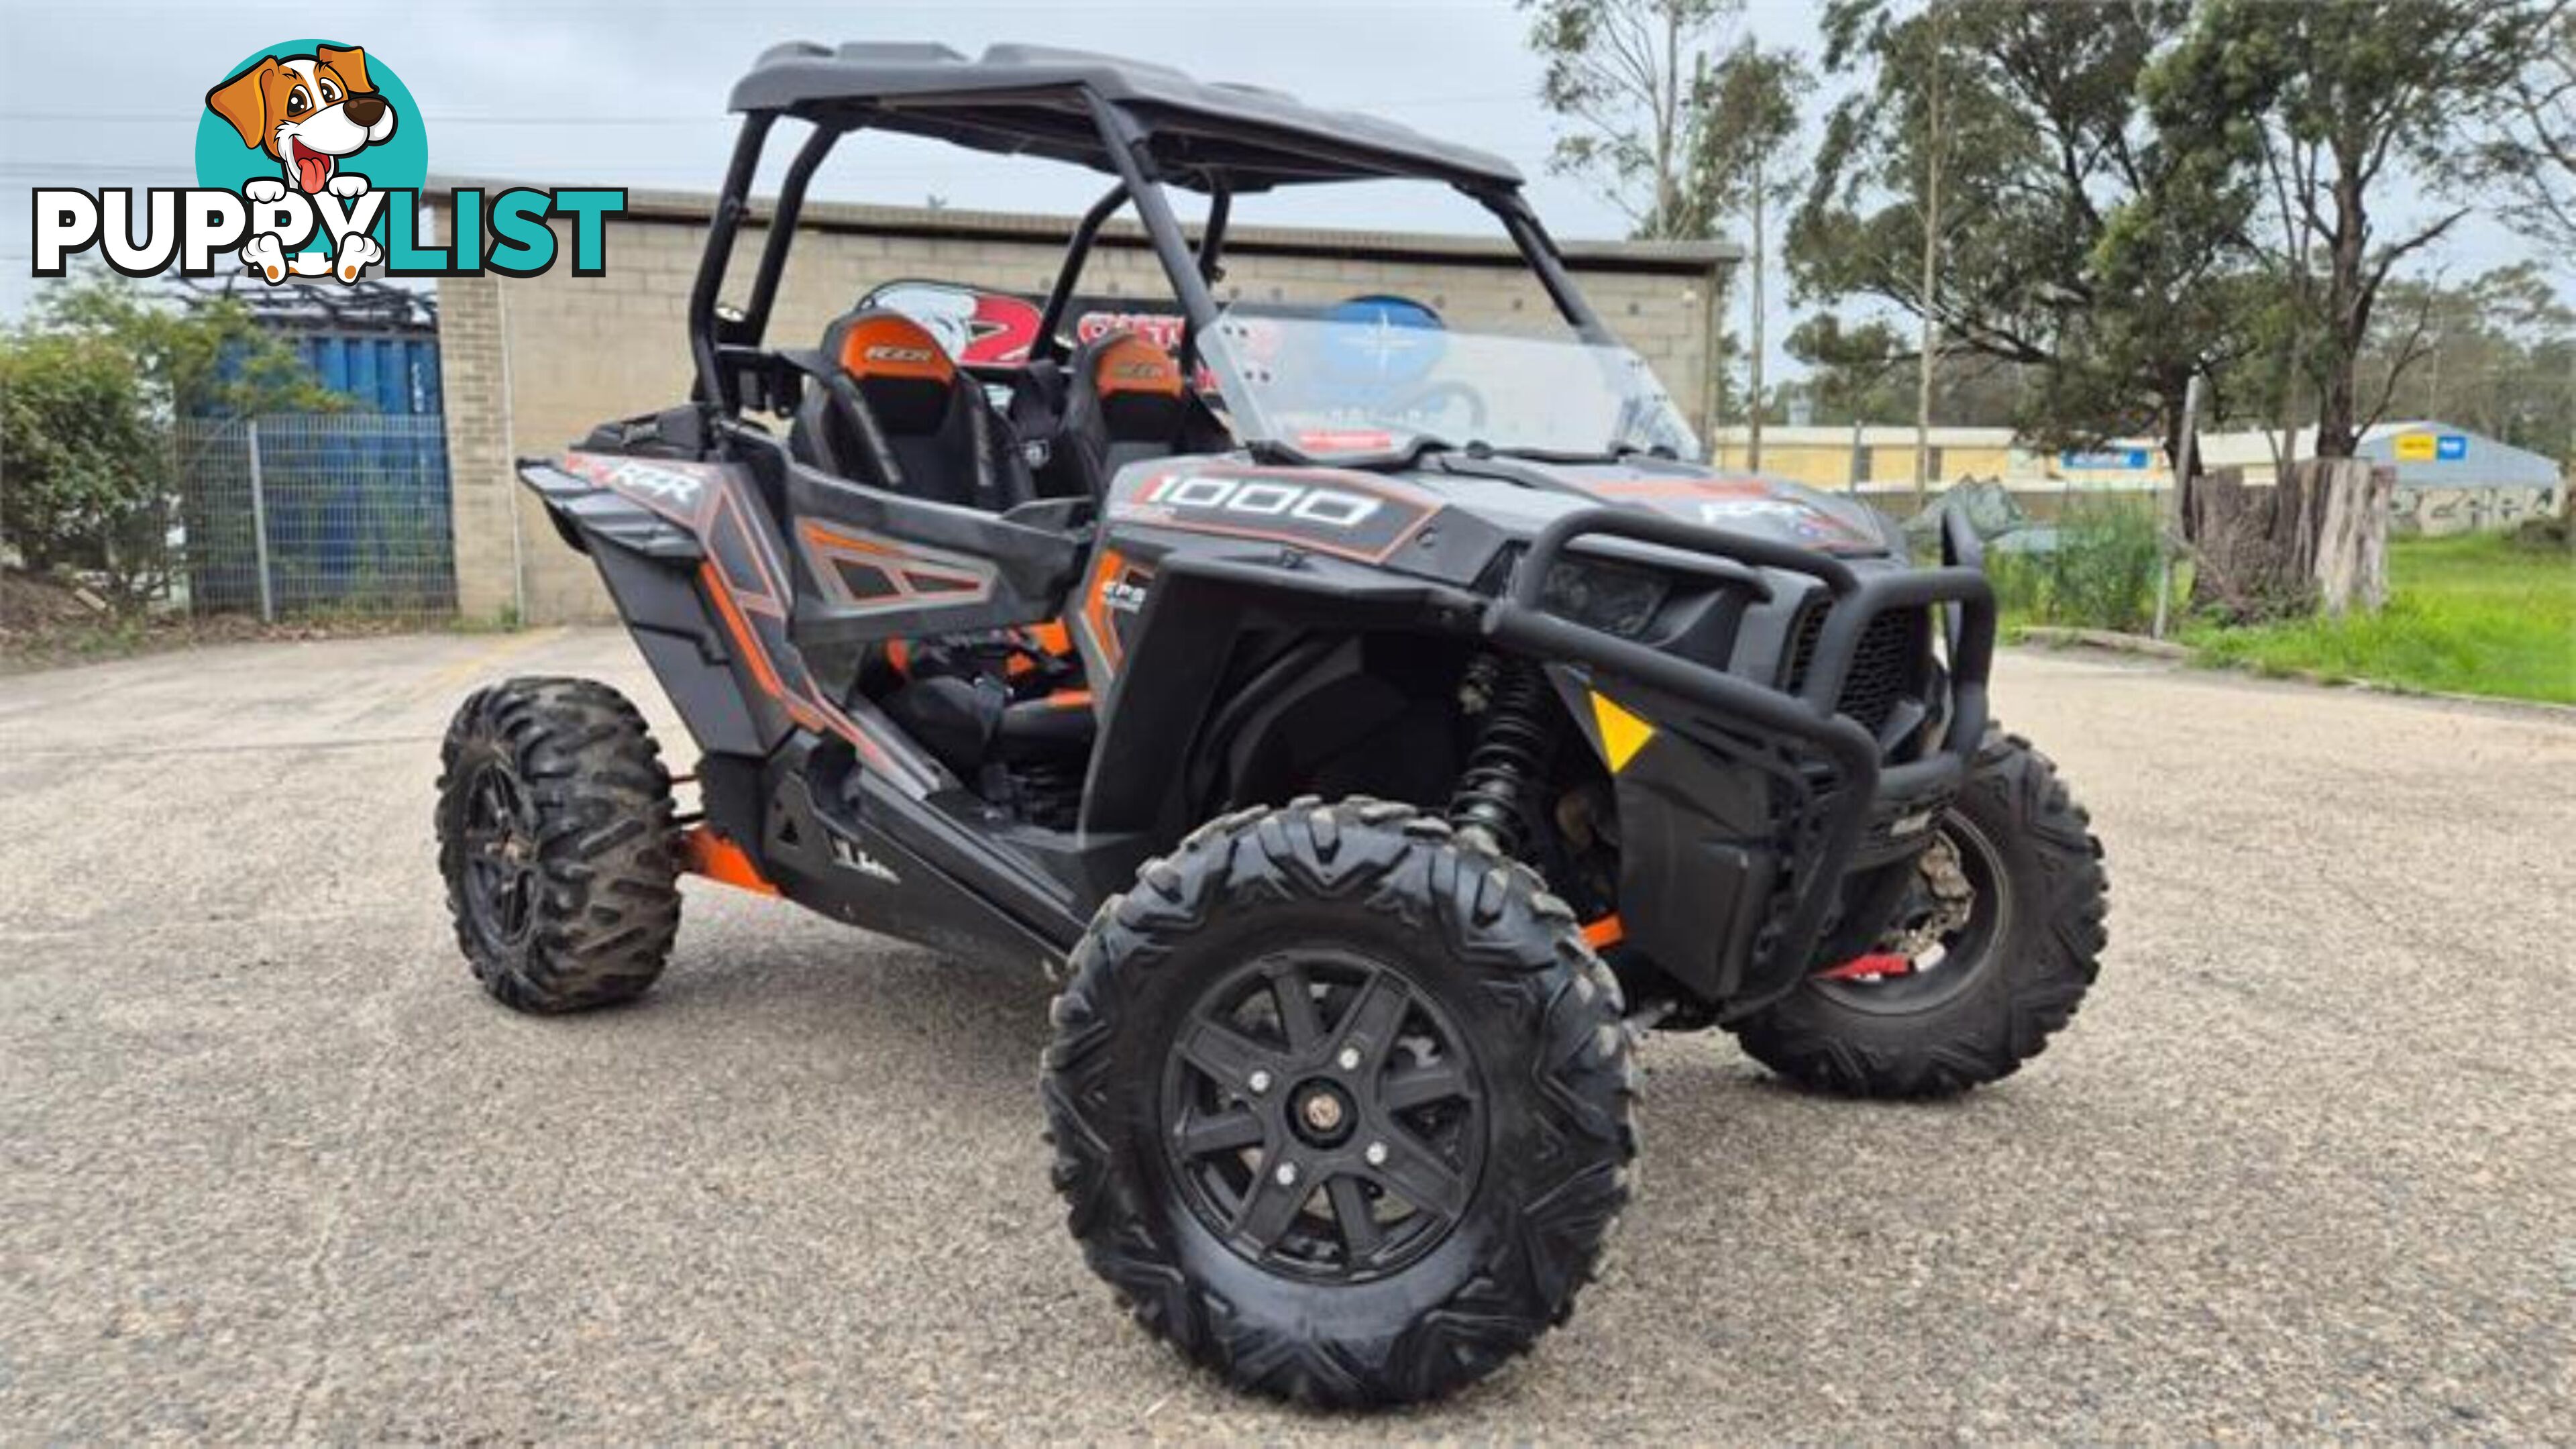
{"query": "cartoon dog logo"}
(309, 112)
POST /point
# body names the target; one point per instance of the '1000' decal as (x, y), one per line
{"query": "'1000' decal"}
(1329, 511)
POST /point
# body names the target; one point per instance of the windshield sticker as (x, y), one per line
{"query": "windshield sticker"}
(1345, 440)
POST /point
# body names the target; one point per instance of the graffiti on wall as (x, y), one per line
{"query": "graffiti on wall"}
(984, 328)
(2469, 510)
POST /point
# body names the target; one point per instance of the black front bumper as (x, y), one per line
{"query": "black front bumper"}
(1734, 855)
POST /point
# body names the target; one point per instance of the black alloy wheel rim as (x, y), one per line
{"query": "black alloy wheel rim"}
(500, 856)
(1966, 952)
(1322, 1116)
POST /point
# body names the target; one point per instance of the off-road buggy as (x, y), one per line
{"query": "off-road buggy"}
(1372, 723)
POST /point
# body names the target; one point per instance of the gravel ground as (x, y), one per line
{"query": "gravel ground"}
(274, 1170)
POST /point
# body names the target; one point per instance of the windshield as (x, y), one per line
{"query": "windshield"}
(1381, 375)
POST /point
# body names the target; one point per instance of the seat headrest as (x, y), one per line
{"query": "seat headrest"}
(1129, 364)
(896, 364)
(883, 343)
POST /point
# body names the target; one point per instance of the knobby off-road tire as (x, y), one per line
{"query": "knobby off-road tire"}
(2031, 948)
(1421, 1246)
(555, 836)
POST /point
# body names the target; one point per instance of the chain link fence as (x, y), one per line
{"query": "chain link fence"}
(314, 516)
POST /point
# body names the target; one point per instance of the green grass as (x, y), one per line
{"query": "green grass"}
(2468, 614)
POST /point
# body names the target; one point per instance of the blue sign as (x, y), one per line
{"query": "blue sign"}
(2132, 459)
(1381, 341)
(2451, 447)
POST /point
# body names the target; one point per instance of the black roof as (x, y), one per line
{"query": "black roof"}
(1029, 98)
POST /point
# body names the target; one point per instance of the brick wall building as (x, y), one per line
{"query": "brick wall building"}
(531, 365)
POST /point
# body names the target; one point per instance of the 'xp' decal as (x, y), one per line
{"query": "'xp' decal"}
(1112, 609)
(1330, 512)
(310, 160)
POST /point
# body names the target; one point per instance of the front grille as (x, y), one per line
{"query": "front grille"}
(1887, 668)
(1802, 646)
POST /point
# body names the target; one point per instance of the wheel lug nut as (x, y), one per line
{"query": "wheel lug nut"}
(1376, 1154)
(1287, 1174)
(1258, 1081)
(1350, 1059)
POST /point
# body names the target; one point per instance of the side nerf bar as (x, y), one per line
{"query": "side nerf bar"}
(1517, 620)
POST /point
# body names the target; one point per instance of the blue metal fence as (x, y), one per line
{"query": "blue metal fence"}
(303, 514)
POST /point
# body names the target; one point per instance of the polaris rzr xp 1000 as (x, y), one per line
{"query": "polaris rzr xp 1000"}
(1372, 722)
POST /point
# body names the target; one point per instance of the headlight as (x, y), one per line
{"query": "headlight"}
(1607, 597)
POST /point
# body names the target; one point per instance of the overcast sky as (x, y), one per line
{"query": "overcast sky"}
(108, 92)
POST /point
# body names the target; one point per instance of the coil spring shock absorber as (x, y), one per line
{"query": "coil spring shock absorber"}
(1498, 790)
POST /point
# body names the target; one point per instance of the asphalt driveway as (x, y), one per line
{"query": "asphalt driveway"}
(271, 1168)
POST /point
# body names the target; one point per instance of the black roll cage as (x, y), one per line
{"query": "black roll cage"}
(726, 345)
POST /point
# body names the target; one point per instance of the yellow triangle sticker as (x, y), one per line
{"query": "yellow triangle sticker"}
(1622, 733)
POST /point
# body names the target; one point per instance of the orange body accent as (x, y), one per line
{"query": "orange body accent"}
(888, 345)
(1069, 699)
(1053, 637)
(704, 852)
(830, 540)
(740, 629)
(1095, 605)
(1604, 933)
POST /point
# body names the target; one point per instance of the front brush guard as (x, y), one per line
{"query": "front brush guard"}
(1803, 723)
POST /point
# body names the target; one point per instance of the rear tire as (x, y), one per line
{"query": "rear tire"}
(1405, 1025)
(555, 836)
(2017, 971)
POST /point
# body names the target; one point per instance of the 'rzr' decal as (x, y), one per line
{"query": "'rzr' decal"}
(685, 493)
(1331, 512)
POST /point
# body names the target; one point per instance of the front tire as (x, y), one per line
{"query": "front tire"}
(555, 836)
(1340, 1103)
(2003, 981)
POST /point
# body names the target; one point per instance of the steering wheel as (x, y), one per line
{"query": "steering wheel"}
(1440, 395)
